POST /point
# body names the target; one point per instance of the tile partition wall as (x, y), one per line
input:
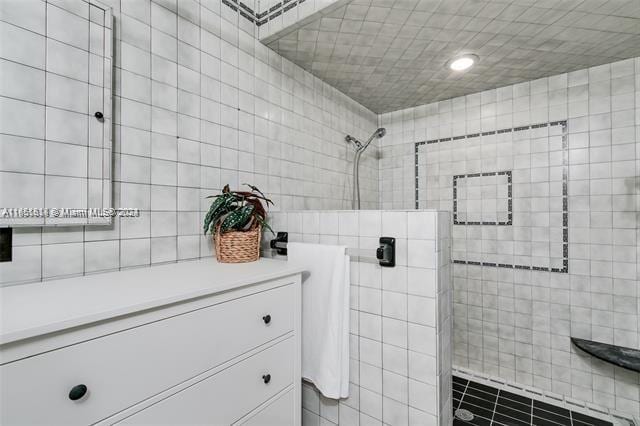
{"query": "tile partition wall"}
(199, 102)
(400, 347)
(514, 320)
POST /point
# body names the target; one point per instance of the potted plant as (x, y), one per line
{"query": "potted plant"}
(235, 219)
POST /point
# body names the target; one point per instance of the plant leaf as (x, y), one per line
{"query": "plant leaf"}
(237, 218)
(259, 208)
(264, 224)
(212, 210)
(246, 194)
(255, 189)
(219, 207)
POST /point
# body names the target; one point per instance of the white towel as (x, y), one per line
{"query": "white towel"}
(325, 315)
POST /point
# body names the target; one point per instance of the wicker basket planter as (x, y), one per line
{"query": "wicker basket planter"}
(238, 246)
(236, 220)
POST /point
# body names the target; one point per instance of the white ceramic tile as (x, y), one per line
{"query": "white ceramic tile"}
(163, 19)
(421, 253)
(59, 260)
(394, 305)
(348, 223)
(66, 60)
(66, 27)
(370, 224)
(22, 82)
(135, 252)
(421, 225)
(66, 126)
(134, 59)
(135, 169)
(66, 159)
(25, 266)
(422, 310)
(28, 14)
(77, 8)
(65, 192)
(19, 154)
(394, 224)
(26, 48)
(163, 249)
(423, 396)
(422, 339)
(140, 227)
(21, 190)
(67, 93)
(21, 118)
(101, 256)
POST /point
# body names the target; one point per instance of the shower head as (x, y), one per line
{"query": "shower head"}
(379, 133)
(353, 140)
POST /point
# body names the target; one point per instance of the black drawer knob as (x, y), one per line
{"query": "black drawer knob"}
(98, 115)
(266, 378)
(266, 319)
(77, 392)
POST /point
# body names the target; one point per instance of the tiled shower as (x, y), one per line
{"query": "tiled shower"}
(537, 181)
(542, 181)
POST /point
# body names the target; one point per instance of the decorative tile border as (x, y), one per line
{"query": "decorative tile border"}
(261, 18)
(565, 203)
(507, 173)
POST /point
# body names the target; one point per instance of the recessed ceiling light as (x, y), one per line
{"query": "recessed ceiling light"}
(463, 63)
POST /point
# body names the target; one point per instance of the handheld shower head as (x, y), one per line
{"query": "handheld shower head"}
(379, 133)
(353, 140)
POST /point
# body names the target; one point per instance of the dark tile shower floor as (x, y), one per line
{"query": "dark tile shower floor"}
(491, 406)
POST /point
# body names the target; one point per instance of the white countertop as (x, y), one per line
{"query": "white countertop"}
(35, 309)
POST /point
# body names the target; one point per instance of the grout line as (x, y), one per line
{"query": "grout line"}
(531, 413)
(177, 92)
(88, 121)
(463, 394)
(44, 174)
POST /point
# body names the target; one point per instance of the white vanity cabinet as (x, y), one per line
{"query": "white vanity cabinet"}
(220, 345)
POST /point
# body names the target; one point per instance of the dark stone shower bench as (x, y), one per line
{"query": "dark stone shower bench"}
(623, 357)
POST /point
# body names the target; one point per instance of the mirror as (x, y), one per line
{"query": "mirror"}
(55, 113)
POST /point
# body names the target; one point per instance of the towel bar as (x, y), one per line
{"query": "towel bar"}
(385, 254)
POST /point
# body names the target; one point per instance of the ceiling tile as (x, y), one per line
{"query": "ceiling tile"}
(392, 54)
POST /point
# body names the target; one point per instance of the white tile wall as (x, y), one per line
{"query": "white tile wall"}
(401, 341)
(512, 323)
(55, 63)
(199, 102)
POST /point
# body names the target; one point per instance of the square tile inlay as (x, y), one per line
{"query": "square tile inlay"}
(514, 217)
(483, 199)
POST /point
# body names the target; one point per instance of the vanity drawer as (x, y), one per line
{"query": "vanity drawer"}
(225, 397)
(124, 368)
(280, 412)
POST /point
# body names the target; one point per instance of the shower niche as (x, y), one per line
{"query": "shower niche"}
(56, 114)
